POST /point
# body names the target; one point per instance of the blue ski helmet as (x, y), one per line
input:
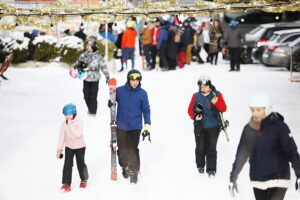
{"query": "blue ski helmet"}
(233, 23)
(69, 109)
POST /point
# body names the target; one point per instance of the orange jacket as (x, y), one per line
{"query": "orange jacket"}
(128, 39)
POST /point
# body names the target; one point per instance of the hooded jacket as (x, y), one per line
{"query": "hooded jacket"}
(71, 134)
(95, 63)
(133, 105)
(270, 147)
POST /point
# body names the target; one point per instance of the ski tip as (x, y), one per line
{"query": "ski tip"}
(112, 82)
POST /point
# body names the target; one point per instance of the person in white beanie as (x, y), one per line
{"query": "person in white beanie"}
(268, 144)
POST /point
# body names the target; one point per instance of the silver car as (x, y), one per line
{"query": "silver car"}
(279, 54)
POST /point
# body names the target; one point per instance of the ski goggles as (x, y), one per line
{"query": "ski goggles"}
(135, 76)
(204, 83)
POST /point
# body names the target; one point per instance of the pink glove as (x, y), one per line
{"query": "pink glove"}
(58, 153)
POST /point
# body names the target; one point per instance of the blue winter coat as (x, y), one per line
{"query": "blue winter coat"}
(163, 38)
(133, 104)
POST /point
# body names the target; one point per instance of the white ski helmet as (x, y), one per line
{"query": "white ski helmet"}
(204, 80)
(261, 100)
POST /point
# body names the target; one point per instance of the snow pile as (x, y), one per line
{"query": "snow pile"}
(71, 42)
(45, 39)
(16, 42)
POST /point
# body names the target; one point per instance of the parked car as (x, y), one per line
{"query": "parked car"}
(258, 37)
(279, 54)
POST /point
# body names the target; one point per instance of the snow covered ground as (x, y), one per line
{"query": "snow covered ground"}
(31, 113)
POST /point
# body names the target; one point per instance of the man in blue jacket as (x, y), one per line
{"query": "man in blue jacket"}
(133, 105)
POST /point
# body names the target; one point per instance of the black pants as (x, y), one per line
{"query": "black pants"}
(206, 47)
(147, 54)
(213, 56)
(206, 147)
(128, 152)
(153, 56)
(275, 193)
(81, 166)
(234, 54)
(163, 58)
(90, 93)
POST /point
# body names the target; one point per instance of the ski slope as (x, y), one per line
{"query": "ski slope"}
(31, 113)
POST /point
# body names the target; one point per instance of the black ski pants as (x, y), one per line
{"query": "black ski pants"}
(68, 165)
(128, 152)
(234, 54)
(206, 147)
(90, 93)
(147, 54)
(275, 193)
(154, 52)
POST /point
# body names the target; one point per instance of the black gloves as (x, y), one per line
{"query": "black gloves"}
(298, 183)
(110, 103)
(145, 134)
(107, 79)
(233, 186)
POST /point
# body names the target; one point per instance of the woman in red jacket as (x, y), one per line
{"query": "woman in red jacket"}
(204, 109)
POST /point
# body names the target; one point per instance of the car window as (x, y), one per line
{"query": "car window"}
(274, 37)
(290, 39)
(255, 30)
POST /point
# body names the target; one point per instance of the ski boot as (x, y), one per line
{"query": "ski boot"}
(201, 170)
(83, 184)
(211, 174)
(125, 172)
(133, 177)
(65, 188)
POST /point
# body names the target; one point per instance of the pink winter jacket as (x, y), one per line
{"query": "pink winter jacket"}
(71, 134)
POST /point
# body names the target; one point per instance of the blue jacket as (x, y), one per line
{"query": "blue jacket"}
(133, 104)
(163, 38)
(210, 113)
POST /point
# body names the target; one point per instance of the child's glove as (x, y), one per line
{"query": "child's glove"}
(59, 154)
(146, 132)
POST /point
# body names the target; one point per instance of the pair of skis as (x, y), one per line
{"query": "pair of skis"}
(113, 142)
(224, 123)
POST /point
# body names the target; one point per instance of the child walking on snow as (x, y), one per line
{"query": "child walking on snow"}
(71, 137)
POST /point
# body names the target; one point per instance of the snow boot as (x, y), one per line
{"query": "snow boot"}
(65, 188)
(133, 177)
(83, 184)
(211, 174)
(125, 172)
(201, 170)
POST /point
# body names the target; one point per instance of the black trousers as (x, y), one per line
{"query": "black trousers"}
(163, 58)
(234, 54)
(128, 152)
(275, 193)
(90, 93)
(206, 147)
(213, 56)
(68, 165)
(147, 54)
(153, 56)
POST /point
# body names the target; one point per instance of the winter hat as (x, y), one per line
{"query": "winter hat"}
(233, 23)
(204, 80)
(261, 100)
(134, 75)
(130, 24)
(69, 109)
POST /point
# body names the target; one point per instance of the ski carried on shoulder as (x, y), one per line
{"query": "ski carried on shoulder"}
(224, 123)
(113, 142)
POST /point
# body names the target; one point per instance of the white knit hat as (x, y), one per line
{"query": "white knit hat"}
(261, 100)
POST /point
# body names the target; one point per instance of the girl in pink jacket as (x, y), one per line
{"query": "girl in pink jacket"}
(71, 137)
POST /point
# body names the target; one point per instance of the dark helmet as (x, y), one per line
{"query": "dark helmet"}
(69, 109)
(134, 75)
(93, 44)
